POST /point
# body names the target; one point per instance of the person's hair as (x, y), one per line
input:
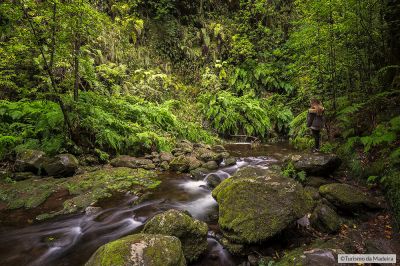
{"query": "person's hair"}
(316, 104)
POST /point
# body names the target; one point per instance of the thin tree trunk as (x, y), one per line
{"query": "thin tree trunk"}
(49, 72)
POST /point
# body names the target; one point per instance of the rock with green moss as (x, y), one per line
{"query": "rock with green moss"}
(230, 161)
(29, 161)
(184, 163)
(82, 190)
(325, 219)
(191, 232)
(256, 204)
(132, 162)
(185, 146)
(312, 257)
(140, 249)
(210, 165)
(213, 180)
(347, 197)
(199, 173)
(62, 165)
(318, 164)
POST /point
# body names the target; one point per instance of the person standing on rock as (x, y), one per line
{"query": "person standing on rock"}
(315, 121)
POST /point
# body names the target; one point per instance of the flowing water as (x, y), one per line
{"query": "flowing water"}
(71, 240)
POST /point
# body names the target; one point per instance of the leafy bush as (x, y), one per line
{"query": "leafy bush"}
(232, 115)
(291, 172)
(35, 125)
(132, 125)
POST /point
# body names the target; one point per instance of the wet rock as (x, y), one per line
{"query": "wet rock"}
(29, 161)
(213, 180)
(232, 247)
(211, 165)
(314, 181)
(191, 232)
(185, 146)
(132, 162)
(325, 219)
(262, 199)
(313, 192)
(347, 197)
(230, 161)
(206, 155)
(312, 257)
(316, 164)
(140, 249)
(218, 148)
(184, 163)
(321, 257)
(164, 165)
(166, 156)
(92, 210)
(199, 173)
(379, 246)
(62, 165)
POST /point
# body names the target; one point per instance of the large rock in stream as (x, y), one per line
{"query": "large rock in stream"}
(191, 232)
(347, 197)
(317, 164)
(140, 250)
(256, 204)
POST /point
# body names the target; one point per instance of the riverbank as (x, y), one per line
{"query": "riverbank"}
(71, 239)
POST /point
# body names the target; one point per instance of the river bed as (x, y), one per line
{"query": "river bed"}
(70, 240)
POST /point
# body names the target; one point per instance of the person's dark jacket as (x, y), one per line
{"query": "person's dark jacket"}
(314, 120)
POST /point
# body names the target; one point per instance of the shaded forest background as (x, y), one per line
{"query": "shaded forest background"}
(134, 76)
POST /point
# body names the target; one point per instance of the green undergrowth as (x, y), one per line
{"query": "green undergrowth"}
(123, 124)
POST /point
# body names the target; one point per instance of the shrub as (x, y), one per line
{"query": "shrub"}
(231, 115)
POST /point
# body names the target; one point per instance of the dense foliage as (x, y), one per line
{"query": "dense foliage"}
(134, 76)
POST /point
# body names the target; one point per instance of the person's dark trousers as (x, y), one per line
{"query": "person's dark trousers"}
(317, 137)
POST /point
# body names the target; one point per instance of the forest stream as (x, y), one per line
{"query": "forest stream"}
(78, 236)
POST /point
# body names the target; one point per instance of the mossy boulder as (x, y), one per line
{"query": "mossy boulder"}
(166, 156)
(210, 165)
(82, 190)
(185, 146)
(256, 204)
(62, 165)
(199, 173)
(325, 219)
(317, 164)
(184, 163)
(191, 232)
(230, 161)
(29, 161)
(140, 249)
(347, 197)
(213, 180)
(132, 162)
